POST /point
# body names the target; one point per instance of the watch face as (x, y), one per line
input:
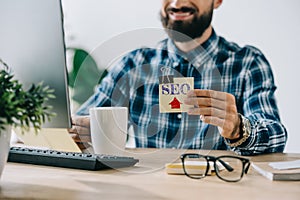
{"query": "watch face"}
(247, 126)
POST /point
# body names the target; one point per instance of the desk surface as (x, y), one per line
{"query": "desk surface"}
(147, 180)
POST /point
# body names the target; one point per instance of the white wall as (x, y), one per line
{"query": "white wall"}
(271, 25)
(274, 27)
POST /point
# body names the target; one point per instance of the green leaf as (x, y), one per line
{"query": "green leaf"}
(19, 107)
(84, 76)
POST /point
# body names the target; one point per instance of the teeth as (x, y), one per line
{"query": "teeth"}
(181, 14)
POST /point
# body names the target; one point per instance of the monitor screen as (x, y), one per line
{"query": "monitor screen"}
(32, 45)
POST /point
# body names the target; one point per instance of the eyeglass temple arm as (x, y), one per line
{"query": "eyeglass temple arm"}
(228, 167)
(247, 167)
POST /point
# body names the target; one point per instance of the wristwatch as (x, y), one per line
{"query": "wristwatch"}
(245, 130)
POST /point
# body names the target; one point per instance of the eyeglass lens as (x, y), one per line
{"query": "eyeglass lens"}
(226, 167)
(234, 173)
(195, 166)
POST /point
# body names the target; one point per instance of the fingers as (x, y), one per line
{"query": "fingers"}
(80, 131)
(216, 121)
(83, 145)
(208, 94)
(227, 126)
(81, 126)
(83, 121)
(205, 102)
(208, 111)
(211, 98)
(82, 141)
(211, 103)
(215, 108)
(81, 138)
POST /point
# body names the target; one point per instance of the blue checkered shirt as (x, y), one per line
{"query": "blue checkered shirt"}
(216, 65)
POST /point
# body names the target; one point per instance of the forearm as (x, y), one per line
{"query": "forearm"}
(267, 136)
(258, 105)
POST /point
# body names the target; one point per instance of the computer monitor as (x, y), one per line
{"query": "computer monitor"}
(32, 44)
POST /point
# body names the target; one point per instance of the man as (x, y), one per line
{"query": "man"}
(234, 106)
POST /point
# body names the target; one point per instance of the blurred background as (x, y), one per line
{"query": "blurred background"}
(105, 30)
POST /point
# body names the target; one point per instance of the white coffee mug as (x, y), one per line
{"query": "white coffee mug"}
(109, 129)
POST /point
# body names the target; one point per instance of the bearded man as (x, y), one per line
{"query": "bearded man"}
(232, 107)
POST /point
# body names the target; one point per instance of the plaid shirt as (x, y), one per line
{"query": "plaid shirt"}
(217, 65)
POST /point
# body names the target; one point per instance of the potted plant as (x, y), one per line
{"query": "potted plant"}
(20, 107)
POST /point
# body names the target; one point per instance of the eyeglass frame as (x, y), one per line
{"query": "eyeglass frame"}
(245, 161)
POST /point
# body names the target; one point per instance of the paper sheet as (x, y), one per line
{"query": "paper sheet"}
(47, 138)
(285, 165)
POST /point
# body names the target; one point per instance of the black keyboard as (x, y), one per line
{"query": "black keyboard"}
(84, 161)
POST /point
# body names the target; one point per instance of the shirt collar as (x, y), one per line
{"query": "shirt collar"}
(197, 56)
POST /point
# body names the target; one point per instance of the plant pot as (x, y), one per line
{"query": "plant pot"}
(4, 146)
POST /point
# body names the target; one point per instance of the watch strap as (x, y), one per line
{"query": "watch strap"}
(245, 130)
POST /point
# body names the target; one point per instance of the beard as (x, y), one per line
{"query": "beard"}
(184, 31)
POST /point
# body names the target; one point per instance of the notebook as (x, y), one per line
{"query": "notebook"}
(270, 170)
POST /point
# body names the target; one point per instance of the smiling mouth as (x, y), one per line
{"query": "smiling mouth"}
(182, 13)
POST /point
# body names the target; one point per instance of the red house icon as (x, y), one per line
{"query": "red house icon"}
(175, 104)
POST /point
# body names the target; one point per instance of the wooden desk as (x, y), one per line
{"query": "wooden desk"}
(147, 180)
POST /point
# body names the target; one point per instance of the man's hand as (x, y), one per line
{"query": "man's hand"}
(215, 108)
(80, 131)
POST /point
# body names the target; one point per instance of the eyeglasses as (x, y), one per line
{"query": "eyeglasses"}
(227, 168)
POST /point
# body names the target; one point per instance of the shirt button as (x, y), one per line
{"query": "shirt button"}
(175, 64)
(179, 116)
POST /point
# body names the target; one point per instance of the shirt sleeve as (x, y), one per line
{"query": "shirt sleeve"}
(268, 134)
(111, 92)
